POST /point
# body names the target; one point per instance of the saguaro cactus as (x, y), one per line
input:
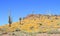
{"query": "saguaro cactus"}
(20, 20)
(10, 22)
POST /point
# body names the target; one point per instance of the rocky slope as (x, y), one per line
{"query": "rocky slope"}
(35, 23)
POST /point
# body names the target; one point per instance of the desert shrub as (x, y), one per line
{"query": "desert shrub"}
(17, 29)
(53, 32)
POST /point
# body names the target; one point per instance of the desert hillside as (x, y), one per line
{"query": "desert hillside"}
(35, 23)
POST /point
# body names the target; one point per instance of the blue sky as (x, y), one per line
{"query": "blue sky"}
(21, 8)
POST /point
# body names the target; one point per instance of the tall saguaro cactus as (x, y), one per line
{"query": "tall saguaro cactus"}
(9, 20)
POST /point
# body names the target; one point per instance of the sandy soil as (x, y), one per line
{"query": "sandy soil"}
(39, 34)
(5, 35)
